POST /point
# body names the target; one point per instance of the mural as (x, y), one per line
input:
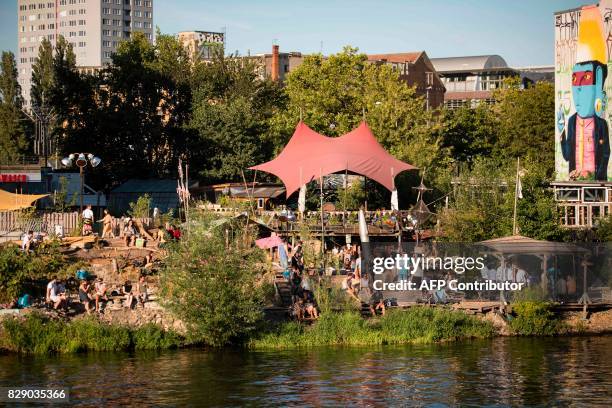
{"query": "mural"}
(582, 48)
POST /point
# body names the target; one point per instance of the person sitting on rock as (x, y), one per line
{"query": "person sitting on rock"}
(84, 296)
(100, 292)
(141, 290)
(129, 296)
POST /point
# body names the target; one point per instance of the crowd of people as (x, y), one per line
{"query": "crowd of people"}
(94, 296)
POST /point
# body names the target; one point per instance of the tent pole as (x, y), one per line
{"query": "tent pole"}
(345, 191)
(322, 221)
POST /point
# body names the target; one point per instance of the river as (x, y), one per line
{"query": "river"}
(503, 371)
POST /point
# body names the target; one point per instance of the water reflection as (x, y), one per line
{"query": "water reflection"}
(555, 371)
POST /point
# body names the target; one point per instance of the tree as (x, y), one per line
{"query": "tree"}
(42, 75)
(12, 132)
(209, 283)
(525, 122)
(231, 112)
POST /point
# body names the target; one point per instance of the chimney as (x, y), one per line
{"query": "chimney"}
(274, 69)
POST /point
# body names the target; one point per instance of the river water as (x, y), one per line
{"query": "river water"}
(563, 371)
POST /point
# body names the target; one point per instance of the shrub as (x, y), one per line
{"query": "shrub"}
(38, 334)
(415, 325)
(210, 284)
(141, 207)
(534, 318)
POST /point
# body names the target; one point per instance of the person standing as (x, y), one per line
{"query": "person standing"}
(107, 224)
(88, 220)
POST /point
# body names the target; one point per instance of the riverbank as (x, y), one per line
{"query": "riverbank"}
(36, 333)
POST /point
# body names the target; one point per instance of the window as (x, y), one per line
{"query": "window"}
(51, 37)
(22, 29)
(50, 15)
(24, 39)
(149, 36)
(73, 23)
(117, 12)
(52, 26)
(128, 23)
(106, 10)
(106, 1)
(118, 2)
(41, 5)
(41, 27)
(82, 33)
(106, 21)
(106, 43)
(72, 34)
(72, 13)
(117, 23)
(22, 18)
(72, 2)
(82, 11)
(50, 5)
(137, 24)
(148, 14)
(106, 33)
(82, 44)
(138, 13)
(23, 7)
(107, 54)
(147, 3)
(147, 24)
(138, 2)
(429, 78)
(62, 2)
(81, 22)
(116, 33)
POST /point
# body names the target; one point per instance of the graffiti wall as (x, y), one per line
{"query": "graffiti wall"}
(583, 48)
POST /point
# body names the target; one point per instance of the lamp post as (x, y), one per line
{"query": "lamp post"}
(81, 160)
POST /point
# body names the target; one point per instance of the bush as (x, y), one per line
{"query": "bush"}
(18, 267)
(141, 208)
(415, 325)
(210, 284)
(534, 318)
(37, 334)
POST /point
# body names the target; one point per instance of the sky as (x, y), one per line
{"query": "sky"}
(521, 31)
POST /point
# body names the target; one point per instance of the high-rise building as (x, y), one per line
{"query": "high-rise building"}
(93, 27)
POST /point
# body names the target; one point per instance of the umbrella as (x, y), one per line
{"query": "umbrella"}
(269, 242)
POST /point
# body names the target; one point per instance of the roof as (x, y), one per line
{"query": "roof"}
(256, 192)
(357, 151)
(477, 62)
(146, 186)
(518, 244)
(410, 57)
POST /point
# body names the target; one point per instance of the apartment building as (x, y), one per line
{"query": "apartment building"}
(93, 27)
(202, 45)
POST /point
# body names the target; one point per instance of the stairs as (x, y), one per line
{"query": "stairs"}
(283, 289)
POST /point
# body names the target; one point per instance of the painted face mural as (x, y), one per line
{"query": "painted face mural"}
(584, 146)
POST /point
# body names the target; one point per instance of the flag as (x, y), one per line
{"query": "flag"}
(394, 201)
(519, 187)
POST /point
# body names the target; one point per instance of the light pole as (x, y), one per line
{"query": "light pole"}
(427, 96)
(81, 160)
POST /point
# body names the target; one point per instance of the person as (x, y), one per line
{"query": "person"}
(296, 287)
(88, 220)
(127, 291)
(84, 296)
(141, 290)
(54, 294)
(100, 292)
(28, 239)
(309, 306)
(282, 255)
(175, 233)
(130, 234)
(107, 224)
(347, 285)
(377, 302)
(297, 309)
(297, 260)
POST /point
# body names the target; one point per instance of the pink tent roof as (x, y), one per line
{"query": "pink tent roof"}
(310, 155)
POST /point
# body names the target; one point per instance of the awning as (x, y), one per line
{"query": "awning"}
(310, 155)
(518, 244)
(10, 201)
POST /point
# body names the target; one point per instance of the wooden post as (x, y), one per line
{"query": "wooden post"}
(516, 187)
(322, 221)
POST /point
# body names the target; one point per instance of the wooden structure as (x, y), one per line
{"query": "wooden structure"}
(582, 203)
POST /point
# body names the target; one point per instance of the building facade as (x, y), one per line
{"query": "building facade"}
(470, 80)
(93, 27)
(416, 69)
(202, 44)
(276, 65)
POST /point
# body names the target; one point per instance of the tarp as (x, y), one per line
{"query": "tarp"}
(10, 201)
(310, 155)
(269, 242)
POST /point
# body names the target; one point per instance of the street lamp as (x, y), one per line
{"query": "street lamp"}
(81, 160)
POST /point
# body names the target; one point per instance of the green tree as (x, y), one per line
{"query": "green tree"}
(42, 75)
(12, 132)
(231, 112)
(525, 122)
(209, 283)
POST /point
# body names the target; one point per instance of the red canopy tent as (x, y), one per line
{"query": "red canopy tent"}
(310, 155)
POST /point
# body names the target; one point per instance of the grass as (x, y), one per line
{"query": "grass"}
(415, 325)
(534, 318)
(36, 334)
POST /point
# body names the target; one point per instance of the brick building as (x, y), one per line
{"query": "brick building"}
(417, 70)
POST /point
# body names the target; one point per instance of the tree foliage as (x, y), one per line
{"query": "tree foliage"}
(209, 280)
(12, 130)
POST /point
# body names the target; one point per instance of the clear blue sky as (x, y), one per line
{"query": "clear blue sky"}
(521, 31)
